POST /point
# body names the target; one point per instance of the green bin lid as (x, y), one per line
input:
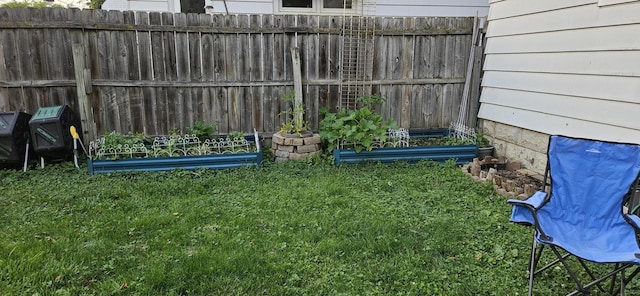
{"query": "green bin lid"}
(47, 112)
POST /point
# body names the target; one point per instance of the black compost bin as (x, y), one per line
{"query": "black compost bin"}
(14, 136)
(50, 133)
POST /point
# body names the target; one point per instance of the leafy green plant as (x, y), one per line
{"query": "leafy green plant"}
(441, 141)
(480, 140)
(168, 149)
(29, 4)
(115, 139)
(236, 139)
(360, 128)
(203, 130)
(236, 136)
(371, 101)
(295, 123)
(116, 145)
(96, 4)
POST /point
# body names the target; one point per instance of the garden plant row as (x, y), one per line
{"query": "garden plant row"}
(350, 136)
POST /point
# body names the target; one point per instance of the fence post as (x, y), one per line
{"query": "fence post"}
(83, 79)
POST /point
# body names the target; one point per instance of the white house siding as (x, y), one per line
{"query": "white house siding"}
(242, 6)
(443, 8)
(154, 5)
(457, 8)
(568, 67)
(143, 5)
(454, 8)
(115, 5)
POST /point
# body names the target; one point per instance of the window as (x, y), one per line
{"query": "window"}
(336, 3)
(191, 6)
(297, 3)
(314, 6)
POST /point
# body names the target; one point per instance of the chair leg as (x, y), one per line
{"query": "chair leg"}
(622, 284)
(594, 279)
(583, 289)
(572, 274)
(624, 281)
(633, 274)
(532, 266)
(613, 281)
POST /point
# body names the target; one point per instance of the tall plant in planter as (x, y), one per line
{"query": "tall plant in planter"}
(295, 125)
(295, 140)
(359, 129)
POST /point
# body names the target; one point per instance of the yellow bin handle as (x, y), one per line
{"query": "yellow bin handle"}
(74, 133)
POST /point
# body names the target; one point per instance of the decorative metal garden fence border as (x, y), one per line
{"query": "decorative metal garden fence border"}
(175, 152)
(396, 150)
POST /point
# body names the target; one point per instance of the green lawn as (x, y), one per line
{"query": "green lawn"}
(281, 229)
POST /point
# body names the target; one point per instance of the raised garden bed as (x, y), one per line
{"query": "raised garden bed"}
(175, 152)
(403, 148)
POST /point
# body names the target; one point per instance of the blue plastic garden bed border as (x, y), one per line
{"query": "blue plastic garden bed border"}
(216, 161)
(461, 153)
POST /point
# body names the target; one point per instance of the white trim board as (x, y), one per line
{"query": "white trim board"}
(618, 63)
(513, 8)
(551, 124)
(626, 89)
(593, 39)
(588, 16)
(613, 2)
(621, 114)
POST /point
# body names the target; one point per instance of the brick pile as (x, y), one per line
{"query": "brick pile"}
(511, 181)
(286, 148)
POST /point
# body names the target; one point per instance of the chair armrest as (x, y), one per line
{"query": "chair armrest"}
(534, 200)
(523, 210)
(633, 220)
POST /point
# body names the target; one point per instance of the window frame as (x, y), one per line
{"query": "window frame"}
(317, 9)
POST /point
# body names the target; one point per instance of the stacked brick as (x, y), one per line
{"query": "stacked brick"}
(285, 148)
(510, 189)
(503, 185)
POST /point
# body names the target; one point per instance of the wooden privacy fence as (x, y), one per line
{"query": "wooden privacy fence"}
(157, 72)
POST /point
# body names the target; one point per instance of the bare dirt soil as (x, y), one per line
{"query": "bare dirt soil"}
(520, 179)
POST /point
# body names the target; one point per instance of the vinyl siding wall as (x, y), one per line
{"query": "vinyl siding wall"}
(568, 67)
(401, 8)
(143, 5)
(432, 7)
(243, 6)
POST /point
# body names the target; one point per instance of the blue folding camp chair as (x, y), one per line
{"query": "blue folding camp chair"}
(582, 215)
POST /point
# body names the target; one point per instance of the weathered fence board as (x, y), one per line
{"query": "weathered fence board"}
(158, 72)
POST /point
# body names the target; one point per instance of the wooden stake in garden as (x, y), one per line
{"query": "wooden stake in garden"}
(297, 83)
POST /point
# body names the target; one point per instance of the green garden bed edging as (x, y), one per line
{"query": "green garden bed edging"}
(461, 153)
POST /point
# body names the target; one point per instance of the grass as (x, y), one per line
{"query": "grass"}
(281, 229)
